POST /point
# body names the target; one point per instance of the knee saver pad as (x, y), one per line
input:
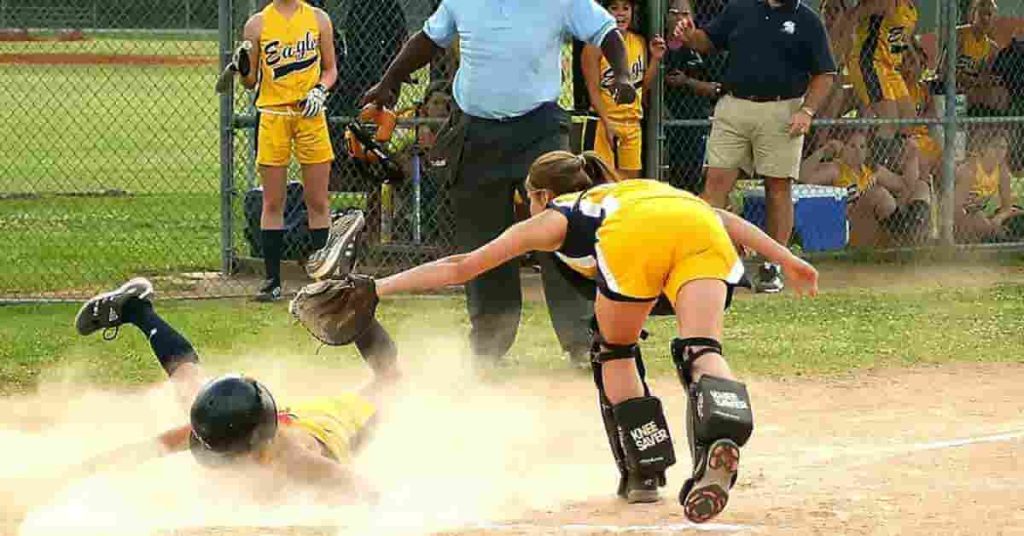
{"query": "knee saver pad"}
(720, 409)
(644, 434)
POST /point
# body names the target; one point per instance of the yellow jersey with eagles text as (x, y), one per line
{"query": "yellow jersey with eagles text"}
(882, 39)
(973, 51)
(636, 58)
(289, 63)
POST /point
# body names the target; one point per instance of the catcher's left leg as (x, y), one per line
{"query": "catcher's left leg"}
(719, 420)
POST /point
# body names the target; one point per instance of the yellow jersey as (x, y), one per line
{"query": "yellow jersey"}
(847, 176)
(921, 98)
(636, 58)
(882, 39)
(289, 64)
(972, 51)
(333, 421)
(986, 184)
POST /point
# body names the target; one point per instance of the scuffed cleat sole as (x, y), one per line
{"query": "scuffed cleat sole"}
(342, 244)
(138, 287)
(709, 495)
(635, 496)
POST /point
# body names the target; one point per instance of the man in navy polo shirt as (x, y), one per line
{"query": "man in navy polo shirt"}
(505, 115)
(780, 70)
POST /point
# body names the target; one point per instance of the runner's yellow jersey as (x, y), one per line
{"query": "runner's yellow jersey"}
(883, 38)
(972, 51)
(289, 55)
(334, 421)
(636, 60)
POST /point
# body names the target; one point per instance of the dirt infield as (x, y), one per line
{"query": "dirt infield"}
(105, 59)
(932, 450)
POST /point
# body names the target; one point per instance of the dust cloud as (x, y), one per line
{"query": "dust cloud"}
(450, 451)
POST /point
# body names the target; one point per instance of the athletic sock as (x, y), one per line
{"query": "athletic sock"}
(319, 238)
(170, 347)
(273, 242)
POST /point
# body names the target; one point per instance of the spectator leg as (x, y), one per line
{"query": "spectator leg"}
(570, 311)
(779, 201)
(717, 186)
(493, 299)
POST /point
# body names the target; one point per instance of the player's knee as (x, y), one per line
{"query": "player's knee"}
(273, 205)
(645, 437)
(686, 352)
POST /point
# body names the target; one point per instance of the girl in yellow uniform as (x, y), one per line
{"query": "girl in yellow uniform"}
(976, 50)
(914, 63)
(234, 420)
(883, 206)
(983, 199)
(616, 136)
(884, 33)
(636, 241)
(295, 66)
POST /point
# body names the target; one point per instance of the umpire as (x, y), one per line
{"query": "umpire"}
(506, 115)
(779, 71)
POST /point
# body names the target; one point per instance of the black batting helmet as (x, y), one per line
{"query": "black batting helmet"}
(232, 415)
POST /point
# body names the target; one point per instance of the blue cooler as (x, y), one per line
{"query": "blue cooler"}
(819, 214)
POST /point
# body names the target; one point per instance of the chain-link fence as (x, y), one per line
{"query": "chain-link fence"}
(110, 164)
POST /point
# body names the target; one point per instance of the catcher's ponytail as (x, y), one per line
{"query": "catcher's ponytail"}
(563, 172)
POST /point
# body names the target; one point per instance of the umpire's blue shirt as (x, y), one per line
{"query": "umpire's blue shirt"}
(773, 51)
(510, 51)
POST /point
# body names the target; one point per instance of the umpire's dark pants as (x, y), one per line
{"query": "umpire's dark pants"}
(495, 158)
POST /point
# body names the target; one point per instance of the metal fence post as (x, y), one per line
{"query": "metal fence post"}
(950, 126)
(654, 130)
(227, 142)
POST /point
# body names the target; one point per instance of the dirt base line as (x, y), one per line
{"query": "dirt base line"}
(105, 59)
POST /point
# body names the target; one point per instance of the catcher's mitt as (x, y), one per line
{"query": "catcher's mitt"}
(336, 311)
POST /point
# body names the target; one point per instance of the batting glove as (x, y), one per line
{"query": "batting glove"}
(315, 101)
(240, 59)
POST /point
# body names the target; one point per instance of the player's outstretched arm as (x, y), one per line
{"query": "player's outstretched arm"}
(543, 232)
(801, 274)
(169, 442)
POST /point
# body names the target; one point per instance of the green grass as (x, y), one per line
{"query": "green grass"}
(136, 44)
(777, 336)
(73, 242)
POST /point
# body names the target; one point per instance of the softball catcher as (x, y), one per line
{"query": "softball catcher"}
(234, 419)
(638, 240)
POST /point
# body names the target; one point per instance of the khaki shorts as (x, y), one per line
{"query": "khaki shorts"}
(754, 136)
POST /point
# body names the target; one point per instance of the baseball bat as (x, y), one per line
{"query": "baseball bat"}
(224, 80)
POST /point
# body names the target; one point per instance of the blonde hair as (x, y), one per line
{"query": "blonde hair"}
(562, 172)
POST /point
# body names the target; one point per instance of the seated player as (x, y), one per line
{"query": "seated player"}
(914, 62)
(234, 419)
(638, 241)
(883, 206)
(975, 55)
(983, 201)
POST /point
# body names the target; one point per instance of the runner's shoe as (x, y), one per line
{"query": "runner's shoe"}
(105, 311)
(338, 257)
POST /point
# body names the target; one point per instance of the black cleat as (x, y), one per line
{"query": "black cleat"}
(769, 279)
(269, 292)
(642, 489)
(104, 311)
(338, 257)
(706, 493)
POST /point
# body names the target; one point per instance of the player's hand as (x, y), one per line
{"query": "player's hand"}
(622, 90)
(676, 78)
(833, 149)
(381, 94)
(315, 100)
(658, 47)
(611, 134)
(685, 29)
(240, 58)
(799, 124)
(801, 276)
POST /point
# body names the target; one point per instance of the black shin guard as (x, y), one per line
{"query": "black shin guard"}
(378, 350)
(637, 431)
